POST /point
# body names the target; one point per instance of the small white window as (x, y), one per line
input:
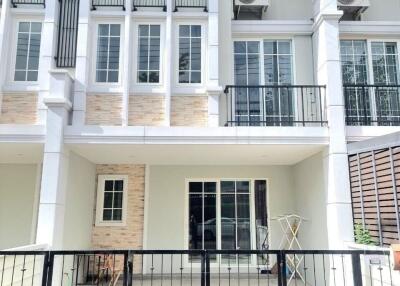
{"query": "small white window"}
(108, 53)
(28, 51)
(190, 54)
(111, 207)
(149, 54)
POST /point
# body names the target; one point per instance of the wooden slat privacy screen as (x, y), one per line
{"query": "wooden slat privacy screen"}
(375, 193)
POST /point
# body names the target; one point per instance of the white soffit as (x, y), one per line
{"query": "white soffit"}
(21, 153)
(196, 154)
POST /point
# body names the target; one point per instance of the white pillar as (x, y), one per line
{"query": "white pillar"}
(168, 66)
(46, 61)
(127, 66)
(213, 84)
(82, 64)
(55, 162)
(5, 28)
(328, 72)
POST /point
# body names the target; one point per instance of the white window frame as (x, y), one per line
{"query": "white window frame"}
(135, 64)
(203, 54)
(253, 239)
(103, 86)
(16, 85)
(370, 71)
(261, 63)
(100, 200)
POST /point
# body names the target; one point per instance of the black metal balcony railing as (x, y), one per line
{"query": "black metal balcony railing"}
(196, 267)
(15, 3)
(67, 33)
(149, 3)
(108, 3)
(191, 4)
(370, 105)
(275, 105)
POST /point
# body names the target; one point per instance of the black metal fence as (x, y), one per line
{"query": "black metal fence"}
(369, 105)
(15, 3)
(275, 105)
(108, 3)
(67, 33)
(149, 3)
(191, 4)
(196, 267)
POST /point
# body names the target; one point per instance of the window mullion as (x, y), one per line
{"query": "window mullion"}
(28, 52)
(148, 54)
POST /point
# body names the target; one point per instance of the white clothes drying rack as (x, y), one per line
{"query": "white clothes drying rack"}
(290, 225)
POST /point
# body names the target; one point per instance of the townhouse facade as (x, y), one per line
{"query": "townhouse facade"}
(188, 124)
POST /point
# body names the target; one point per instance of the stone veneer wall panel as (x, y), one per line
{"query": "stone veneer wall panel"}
(131, 235)
(18, 108)
(189, 111)
(104, 109)
(146, 110)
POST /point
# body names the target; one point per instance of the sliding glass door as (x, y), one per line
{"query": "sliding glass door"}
(228, 215)
(265, 62)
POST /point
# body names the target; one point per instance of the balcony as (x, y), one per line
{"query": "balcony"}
(149, 4)
(108, 3)
(191, 4)
(372, 105)
(15, 3)
(275, 105)
(197, 267)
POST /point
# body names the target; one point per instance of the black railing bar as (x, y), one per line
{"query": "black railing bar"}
(15, 3)
(371, 85)
(277, 121)
(275, 86)
(338, 252)
(23, 252)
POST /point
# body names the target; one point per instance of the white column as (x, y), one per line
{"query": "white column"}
(213, 84)
(127, 66)
(82, 64)
(168, 62)
(328, 72)
(46, 61)
(55, 162)
(5, 28)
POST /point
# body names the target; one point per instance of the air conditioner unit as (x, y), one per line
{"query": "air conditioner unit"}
(250, 9)
(248, 3)
(353, 6)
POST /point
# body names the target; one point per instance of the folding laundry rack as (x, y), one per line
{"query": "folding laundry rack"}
(290, 225)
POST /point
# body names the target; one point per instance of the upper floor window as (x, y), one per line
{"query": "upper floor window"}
(111, 200)
(108, 53)
(28, 50)
(149, 54)
(278, 62)
(190, 54)
(370, 71)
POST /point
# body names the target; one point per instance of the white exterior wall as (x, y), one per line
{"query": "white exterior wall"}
(299, 10)
(80, 198)
(18, 188)
(166, 199)
(382, 10)
(308, 176)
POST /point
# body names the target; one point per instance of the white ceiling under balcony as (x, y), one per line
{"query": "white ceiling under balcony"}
(220, 154)
(21, 153)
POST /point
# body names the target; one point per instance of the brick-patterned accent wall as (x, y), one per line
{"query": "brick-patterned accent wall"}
(131, 235)
(146, 110)
(189, 111)
(104, 109)
(18, 108)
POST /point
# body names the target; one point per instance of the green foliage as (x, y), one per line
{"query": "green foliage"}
(362, 235)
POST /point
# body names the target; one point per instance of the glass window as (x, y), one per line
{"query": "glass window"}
(354, 57)
(265, 106)
(28, 51)
(149, 54)
(111, 196)
(385, 66)
(108, 53)
(202, 215)
(189, 54)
